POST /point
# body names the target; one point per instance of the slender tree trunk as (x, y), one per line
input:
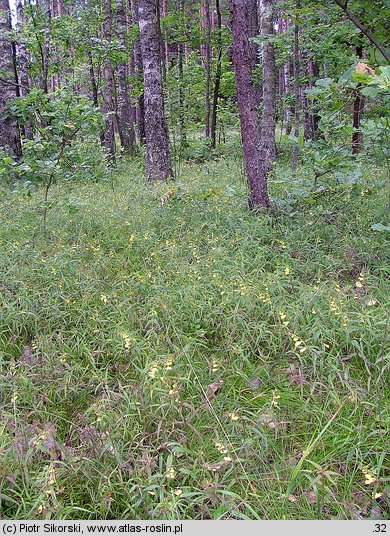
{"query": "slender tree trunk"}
(284, 25)
(9, 133)
(287, 78)
(254, 31)
(297, 105)
(95, 90)
(140, 111)
(46, 48)
(22, 53)
(217, 81)
(250, 128)
(358, 105)
(109, 90)
(206, 23)
(268, 124)
(182, 121)
(314, 74)
(158, 161)
(125, 112)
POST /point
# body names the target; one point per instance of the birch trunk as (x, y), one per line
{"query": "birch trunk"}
(268, 123)
(108, 91)
(158, 161)
(9, 133)
(138, 68)
(125, 112)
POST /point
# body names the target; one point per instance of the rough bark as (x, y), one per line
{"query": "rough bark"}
(125, 112)
(108, 92)
(297, 105)
(206, 25)
(287, 86)
(46, 48)
(246, 96)
(138, 68)
(22, 52)
(9, 133)
(268, 123)
(217, 81)
(158, 161)
(182, 121)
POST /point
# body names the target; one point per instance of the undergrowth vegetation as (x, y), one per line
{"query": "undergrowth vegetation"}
(166, 354)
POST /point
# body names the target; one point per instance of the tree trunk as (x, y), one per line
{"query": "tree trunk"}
(125, 112)
(182, 121)
(95, 90)
(140, 111)
(46, 48)
(9, 133)
(250, 127)
(206, 24)
(217, 81)
(358, 105)
(158, 161)
(24, 83)
(297, 104)
(314, 73)
(108, 92)
(268, 123)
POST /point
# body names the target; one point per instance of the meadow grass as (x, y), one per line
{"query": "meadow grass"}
(165, 354)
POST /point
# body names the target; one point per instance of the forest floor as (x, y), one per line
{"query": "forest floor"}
(166, 354)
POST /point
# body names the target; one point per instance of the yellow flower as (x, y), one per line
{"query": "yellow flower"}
(153, 371)
(275, 398)
(104, 298)
(178, 492)
(234, 416)
(369, 478)
(287, 270)
(169, 364)
(282, 315)
(171, 473)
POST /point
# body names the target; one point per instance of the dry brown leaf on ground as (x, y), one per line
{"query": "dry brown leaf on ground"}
(213, 388)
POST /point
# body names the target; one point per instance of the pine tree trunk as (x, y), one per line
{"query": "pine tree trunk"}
(246, 95)
(109, 89)
(23, 60)
(125, 112)
(158, 161)
(287, 86)
(182, 121)
(138, 67)
(217, 81)
(46, 48)
(297, 105)
(9, 133)
(206, 24)
(268, 123)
